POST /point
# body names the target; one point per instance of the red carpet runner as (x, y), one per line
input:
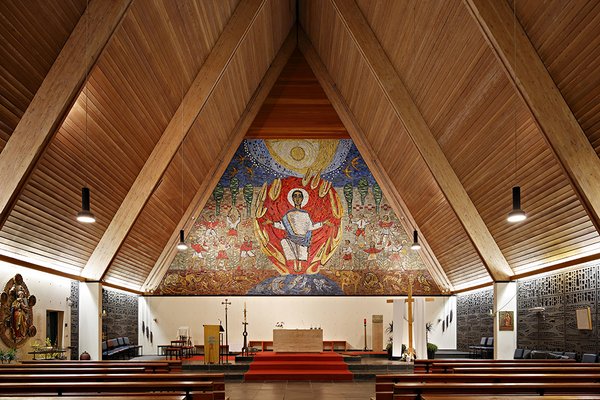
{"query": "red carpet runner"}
(298, 367)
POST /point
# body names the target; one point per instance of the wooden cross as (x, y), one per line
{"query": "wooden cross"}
(409, 301)
(245, 334)
(226, 303)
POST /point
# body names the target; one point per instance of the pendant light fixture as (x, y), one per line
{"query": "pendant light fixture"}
(516, 215)
(85, 215)
(181, 246)
(415, 245)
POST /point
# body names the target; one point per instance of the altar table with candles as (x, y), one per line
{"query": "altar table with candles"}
(298, 340)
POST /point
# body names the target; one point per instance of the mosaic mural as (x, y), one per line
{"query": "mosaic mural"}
(297, 217)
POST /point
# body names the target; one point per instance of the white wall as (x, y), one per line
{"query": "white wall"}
(505, 299)
(90, 319)
(436, 311)
(340, 317)
(51, 292)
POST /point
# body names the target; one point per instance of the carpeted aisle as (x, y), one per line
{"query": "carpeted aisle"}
(298, 367)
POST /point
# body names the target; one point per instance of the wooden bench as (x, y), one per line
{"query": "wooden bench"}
(416, 390)
(263, 345)
(335, 345)
(501, 397)
(384, 384)
(5, 370)
(218, 380)
(151, 366)
(577, 368)
(195, 390)
(451, 367)
(92, 396)
(424, 365)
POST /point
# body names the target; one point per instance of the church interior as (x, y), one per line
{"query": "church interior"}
(390, 185)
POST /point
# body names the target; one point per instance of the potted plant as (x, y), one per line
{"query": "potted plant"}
(431, 349)
(8, 355)
(390, 343)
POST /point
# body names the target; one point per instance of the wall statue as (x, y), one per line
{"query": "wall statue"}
(16, 313)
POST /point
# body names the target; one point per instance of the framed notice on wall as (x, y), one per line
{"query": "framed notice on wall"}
(584, 318)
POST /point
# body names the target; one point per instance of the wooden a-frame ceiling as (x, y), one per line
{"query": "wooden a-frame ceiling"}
(450, 102)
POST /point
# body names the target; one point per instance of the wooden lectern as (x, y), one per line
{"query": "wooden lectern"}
(211, 344)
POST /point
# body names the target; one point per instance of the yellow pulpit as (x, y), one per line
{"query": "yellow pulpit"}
(211, 344)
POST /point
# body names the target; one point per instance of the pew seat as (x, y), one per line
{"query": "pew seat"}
(195, 390)
(415, 390)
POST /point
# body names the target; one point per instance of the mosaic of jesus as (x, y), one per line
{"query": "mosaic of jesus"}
(297, 217)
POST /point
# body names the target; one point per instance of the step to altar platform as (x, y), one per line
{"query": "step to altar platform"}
(363, 367)
(298, 367)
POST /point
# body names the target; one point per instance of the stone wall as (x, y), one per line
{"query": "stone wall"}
(74, 320)
(560, 294)
(473, 318)
(121, 315)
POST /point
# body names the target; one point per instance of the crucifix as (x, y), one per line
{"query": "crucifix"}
(245, 334)
(226, 303)
(409, 302)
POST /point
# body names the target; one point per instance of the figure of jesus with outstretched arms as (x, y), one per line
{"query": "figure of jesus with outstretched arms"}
(298, 226)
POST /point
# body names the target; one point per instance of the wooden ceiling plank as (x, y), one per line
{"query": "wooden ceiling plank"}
(548, 108)
(55, 97)
(223, 159)
(365, 149)
(416, 127)
(192, 104)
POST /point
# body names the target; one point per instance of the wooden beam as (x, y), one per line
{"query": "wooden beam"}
(192, 104)
(368, 154)
(551, 113)
(55, 272)
(222, 160)
(416, 127)
(55, 97)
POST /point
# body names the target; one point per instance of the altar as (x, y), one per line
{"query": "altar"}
(298, 340)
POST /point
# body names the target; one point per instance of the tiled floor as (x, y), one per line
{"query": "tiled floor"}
(300, 390)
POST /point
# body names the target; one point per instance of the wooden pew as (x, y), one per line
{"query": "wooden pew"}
(425, 365)
(451, 367)
(572, 369)
(384, 384)
(218, 380)
(53, 370)
(151, 366)
(416, 390)
(500, 397)
(193, 390)
(91, 396)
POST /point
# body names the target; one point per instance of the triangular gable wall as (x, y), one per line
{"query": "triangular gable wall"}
(349, 242)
